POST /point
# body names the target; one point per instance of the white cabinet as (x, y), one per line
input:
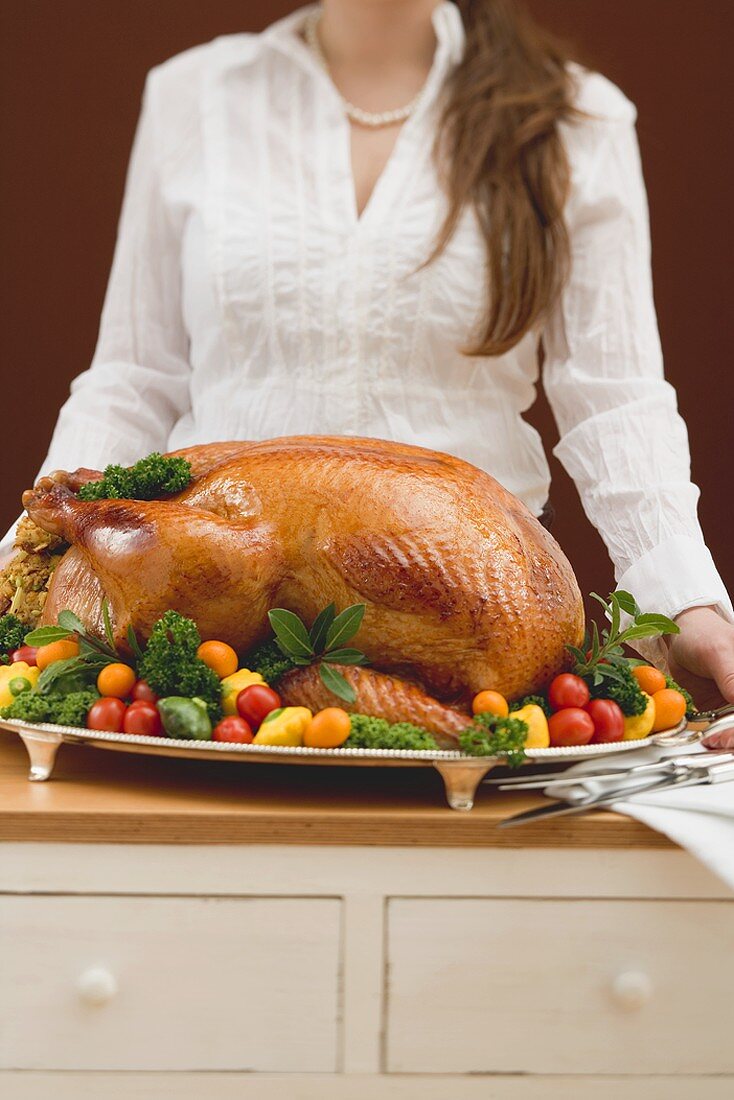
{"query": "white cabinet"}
(169, 983)
(255, 972)
(559, 986)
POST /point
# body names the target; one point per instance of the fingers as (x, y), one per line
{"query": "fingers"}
(722, 740)
(722, 670)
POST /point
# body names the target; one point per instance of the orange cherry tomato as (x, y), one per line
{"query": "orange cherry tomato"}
(116, 679)
(650, 679)
(56, 651)
(219, 656)
(328, 729)
(670, 707)
(490, 702)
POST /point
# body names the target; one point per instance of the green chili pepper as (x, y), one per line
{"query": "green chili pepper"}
(185, 719)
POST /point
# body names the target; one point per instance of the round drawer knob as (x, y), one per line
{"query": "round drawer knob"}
(96, 986)
(632, 989)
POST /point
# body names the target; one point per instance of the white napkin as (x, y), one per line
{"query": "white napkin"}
(699, 819)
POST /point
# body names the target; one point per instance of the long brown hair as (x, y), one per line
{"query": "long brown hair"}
(501, 152)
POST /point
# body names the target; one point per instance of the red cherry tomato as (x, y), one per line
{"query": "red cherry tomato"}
(608, 720)
(107, 714)
(254, 703)
(142, 692)
(567, 690)
(143, 718)
(570, 726)
(25, 653)
(233, 729)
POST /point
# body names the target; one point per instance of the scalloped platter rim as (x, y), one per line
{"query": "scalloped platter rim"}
(223, 750)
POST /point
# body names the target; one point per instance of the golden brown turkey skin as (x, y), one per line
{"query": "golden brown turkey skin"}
(378, 695)
(464, 589)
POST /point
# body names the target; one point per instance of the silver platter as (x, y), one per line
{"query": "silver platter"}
(461, 774)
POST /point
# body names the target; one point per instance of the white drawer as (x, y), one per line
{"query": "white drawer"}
(571, 986)
(247, 984)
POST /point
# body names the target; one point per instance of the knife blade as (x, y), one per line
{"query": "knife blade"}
(667, 766)
(716, 773)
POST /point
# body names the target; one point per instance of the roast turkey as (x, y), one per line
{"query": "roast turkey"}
(464, 589)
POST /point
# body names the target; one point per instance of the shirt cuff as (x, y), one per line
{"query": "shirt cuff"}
(678, 574)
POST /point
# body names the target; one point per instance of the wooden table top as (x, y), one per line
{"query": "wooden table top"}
(108, 797)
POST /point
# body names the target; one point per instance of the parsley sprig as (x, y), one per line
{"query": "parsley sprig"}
(324, 643)
(602, 656)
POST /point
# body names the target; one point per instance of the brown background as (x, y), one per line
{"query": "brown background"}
(72, 76)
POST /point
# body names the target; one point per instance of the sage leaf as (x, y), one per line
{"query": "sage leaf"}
(345, 626)
(44, 635)
(336, 683)
(290, 633)
(346, 657)
(320, 627)
(71, 623)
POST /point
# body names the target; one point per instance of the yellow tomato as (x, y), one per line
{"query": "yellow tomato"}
(56, 651)
(219, 656)
(328, 729)
(490, 702)
(640, 725)
(233, 685)
(116, 679)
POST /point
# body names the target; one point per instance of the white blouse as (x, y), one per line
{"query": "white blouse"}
(248, 300)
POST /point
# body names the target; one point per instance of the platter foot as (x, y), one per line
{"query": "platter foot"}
(461, 779)
(42, 748)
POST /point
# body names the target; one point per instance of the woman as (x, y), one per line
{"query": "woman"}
(363, 221)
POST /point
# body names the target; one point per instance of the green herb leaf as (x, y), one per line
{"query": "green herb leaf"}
(71, 674)
(662, 622)
(71, 623)
(627, 602)
(132, 641)
(290, 632)
(320, 627)
(346, 656)
(44, 635)
(109, 633)
(336, 683)
(345, 625)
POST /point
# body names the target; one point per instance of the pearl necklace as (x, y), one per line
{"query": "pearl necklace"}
(372, 119)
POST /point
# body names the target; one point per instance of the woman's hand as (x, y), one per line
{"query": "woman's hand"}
(702, 656)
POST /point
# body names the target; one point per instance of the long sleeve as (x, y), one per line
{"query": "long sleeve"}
(622, 439)
(137, 386)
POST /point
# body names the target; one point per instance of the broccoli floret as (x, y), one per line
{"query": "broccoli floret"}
(12, 634)
(269, 661)
(171, 667)
(622, 687)
(691, 708)
(538, 700)
(61, 710)
(148, 479)
(377, 733)
(491, 735)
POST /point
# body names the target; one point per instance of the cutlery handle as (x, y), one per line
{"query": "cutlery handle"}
(721, 773)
